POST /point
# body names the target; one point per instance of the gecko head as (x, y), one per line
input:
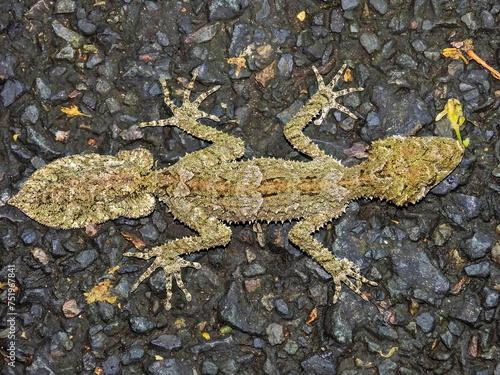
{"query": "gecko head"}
(404, 169)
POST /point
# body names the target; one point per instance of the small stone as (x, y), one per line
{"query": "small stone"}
(370, 42)
(12, 89)
(481, 269)
(337, 22)
(65, 53)
(425, 321)
(70, 36)
(169, 342)
(111, 366)
(491, 297)
(275, 334)
(478, 246)
(209, 368)
(291, 347)
(64, 6)
(42, 89)
(495, 253)
(30, 114)
(282, 306)
(318, 366)
(29, 236)
(140, 324)
(349, 4)
(379, 5)
(87, 27)
(70, 309)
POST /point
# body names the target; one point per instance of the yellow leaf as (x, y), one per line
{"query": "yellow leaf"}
(206, 336)
(73, 111)
(15, 137)
(101, 292)
(391, 352)
(301, 16)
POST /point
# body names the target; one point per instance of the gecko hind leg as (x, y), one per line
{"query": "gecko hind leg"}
(341, 270)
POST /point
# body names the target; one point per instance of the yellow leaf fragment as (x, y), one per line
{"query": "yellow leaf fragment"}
(454, 53)
(15, 137)
(206, 336)
(99, 3)
(301, 16)
(453, 111)
(73, 111)
(266, 74)
(101, 292)
(158, 357)
(391, 352)
(313, 315)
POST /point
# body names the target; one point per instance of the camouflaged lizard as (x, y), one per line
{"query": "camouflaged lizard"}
(208, 187)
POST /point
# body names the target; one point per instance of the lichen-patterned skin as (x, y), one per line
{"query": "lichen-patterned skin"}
(206, 188)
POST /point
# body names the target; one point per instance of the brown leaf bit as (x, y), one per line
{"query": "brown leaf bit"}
(414, 307)
(62, 136)
(266, 74)
(252, 285)
(92, 230)
(313, 315)
(134, 238)
(472, 350)
(70, 309)
(73, 111)
(455, 289)
(467, 46)
(348, 75)
(358, 151)
(40, 255)
(113, 270)
(101, 292)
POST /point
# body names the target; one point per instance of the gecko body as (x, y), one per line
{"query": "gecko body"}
(208, 188)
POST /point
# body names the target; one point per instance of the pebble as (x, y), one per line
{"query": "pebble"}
(478, 246)
(318, 366)
(370, 42)
(140, 324)
(275, 334)
(481, 269)
(168, 342)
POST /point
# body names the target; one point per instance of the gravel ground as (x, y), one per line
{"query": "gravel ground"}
(255, 310)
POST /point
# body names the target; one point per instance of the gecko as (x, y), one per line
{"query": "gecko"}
(212, 187)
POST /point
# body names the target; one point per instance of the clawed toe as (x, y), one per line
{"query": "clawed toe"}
(172, 266)
(346, 270)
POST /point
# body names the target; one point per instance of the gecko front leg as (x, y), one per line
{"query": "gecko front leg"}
(211, 232)
(225, 147)
(341, 270)
(322, 101)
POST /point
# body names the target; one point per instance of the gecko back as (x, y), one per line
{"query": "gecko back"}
(79, 190)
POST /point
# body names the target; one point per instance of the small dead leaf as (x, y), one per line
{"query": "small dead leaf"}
(206, 336)
(472, 350)
(266, 74)
(98, 371)
(132, 237)
(15, 137)
(113, 270)
(73, 111)
(391, 352)
(301, 16)
(348, 75)
(414, 307)
(70, 309)
(62, 136)
(455, 289)
(101, 292)
(40, 255)
(313, 315)
(99, 3)
(91, 230)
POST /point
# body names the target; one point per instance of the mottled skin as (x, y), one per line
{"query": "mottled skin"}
(208, 187)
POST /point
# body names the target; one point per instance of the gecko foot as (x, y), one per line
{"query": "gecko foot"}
(188, 110)
(344, 269)
(171, 264)
(327, 91)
